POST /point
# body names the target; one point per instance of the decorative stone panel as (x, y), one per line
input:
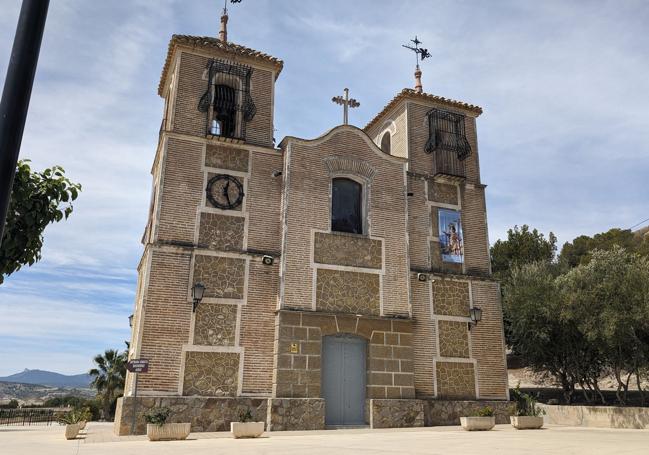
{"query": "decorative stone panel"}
(221, 232)
(453, 339)
(442, 192)
(451, 298)
(348, 292)
(349, 250)
(226, 158)
(219, 186)
(223, 277)
(455, 380)
(396, 413)
(296, 414)
(215, 324)
(211, 373)
(438, 265)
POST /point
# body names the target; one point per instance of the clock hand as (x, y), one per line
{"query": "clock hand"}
(226, 193)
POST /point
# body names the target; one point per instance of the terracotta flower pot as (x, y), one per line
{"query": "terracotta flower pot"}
(526, 422)
(72, 430)
(477, 423)
(246, 429)
(168, 431)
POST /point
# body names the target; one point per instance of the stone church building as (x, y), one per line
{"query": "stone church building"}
(346, 279)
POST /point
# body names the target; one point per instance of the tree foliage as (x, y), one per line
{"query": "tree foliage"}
(523, 246)
(109, 377)
(583, 324)
(579, 250)
(37, 199)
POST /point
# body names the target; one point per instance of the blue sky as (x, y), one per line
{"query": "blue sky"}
(564, 138)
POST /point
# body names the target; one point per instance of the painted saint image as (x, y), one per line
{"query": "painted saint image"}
(450, 236)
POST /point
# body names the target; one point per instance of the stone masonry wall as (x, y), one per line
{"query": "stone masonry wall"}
(390, 355)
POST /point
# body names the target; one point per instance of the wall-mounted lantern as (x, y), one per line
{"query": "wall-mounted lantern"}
(475, 314)
(197, 295)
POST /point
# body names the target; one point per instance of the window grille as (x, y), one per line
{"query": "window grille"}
(227, 102)
(446, 133)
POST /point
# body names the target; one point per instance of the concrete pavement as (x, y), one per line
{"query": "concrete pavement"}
(99, 440)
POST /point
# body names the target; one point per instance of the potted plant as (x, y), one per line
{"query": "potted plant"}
(527, 415)
(85, 415)
(246, 427)
(72, 421)
(482, 420)
(158, 429)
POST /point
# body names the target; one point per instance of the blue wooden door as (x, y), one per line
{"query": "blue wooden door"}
(343, 380)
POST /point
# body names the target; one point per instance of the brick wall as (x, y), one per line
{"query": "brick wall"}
(166, 319)
(307, 208)
(487, 341)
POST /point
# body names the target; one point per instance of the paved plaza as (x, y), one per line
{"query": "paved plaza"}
(99, 440)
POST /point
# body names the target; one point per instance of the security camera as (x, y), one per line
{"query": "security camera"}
(422, 276)
(267, 260)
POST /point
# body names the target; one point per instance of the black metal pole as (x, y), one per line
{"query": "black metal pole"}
(17, 92)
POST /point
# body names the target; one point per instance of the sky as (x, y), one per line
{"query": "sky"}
(563, 140)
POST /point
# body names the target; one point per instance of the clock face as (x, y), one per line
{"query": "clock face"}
(224, 192)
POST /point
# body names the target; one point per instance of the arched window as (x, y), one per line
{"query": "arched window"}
(225, 111)
(346, 206)
(386, 142)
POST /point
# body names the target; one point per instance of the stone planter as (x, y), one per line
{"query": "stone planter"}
(477, 423)
(168, 431)
(72, 430)
(246, 429)
(526, 422)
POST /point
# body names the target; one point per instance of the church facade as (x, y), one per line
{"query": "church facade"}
(345, 280)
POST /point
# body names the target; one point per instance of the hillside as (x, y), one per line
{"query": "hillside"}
(48, 378)
(37, 394)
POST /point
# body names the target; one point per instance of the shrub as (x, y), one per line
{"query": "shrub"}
(246, 416)
(157, 416)
(525, 404)
(73, 416)
(486, 411)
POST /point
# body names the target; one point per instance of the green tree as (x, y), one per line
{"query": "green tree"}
(37, 199)
(579, 250)
(608, 298)
(550, 345)
(523, 246)
(109, 377)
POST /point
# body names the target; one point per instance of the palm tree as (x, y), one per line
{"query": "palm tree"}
(109, 377)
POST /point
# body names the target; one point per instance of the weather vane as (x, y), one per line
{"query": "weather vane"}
(346, 102)
(420, 53)
(225, 6)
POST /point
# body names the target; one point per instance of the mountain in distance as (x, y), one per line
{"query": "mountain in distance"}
(49, 378)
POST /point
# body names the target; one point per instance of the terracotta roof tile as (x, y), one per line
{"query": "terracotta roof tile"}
(215, 43)
(410, 93)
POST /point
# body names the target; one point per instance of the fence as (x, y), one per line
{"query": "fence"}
(26, 416)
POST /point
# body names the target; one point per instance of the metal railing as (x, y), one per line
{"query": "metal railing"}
(21, 417)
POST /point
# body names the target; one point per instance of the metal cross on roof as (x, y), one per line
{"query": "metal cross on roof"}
(346, 102)
(419, 52)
